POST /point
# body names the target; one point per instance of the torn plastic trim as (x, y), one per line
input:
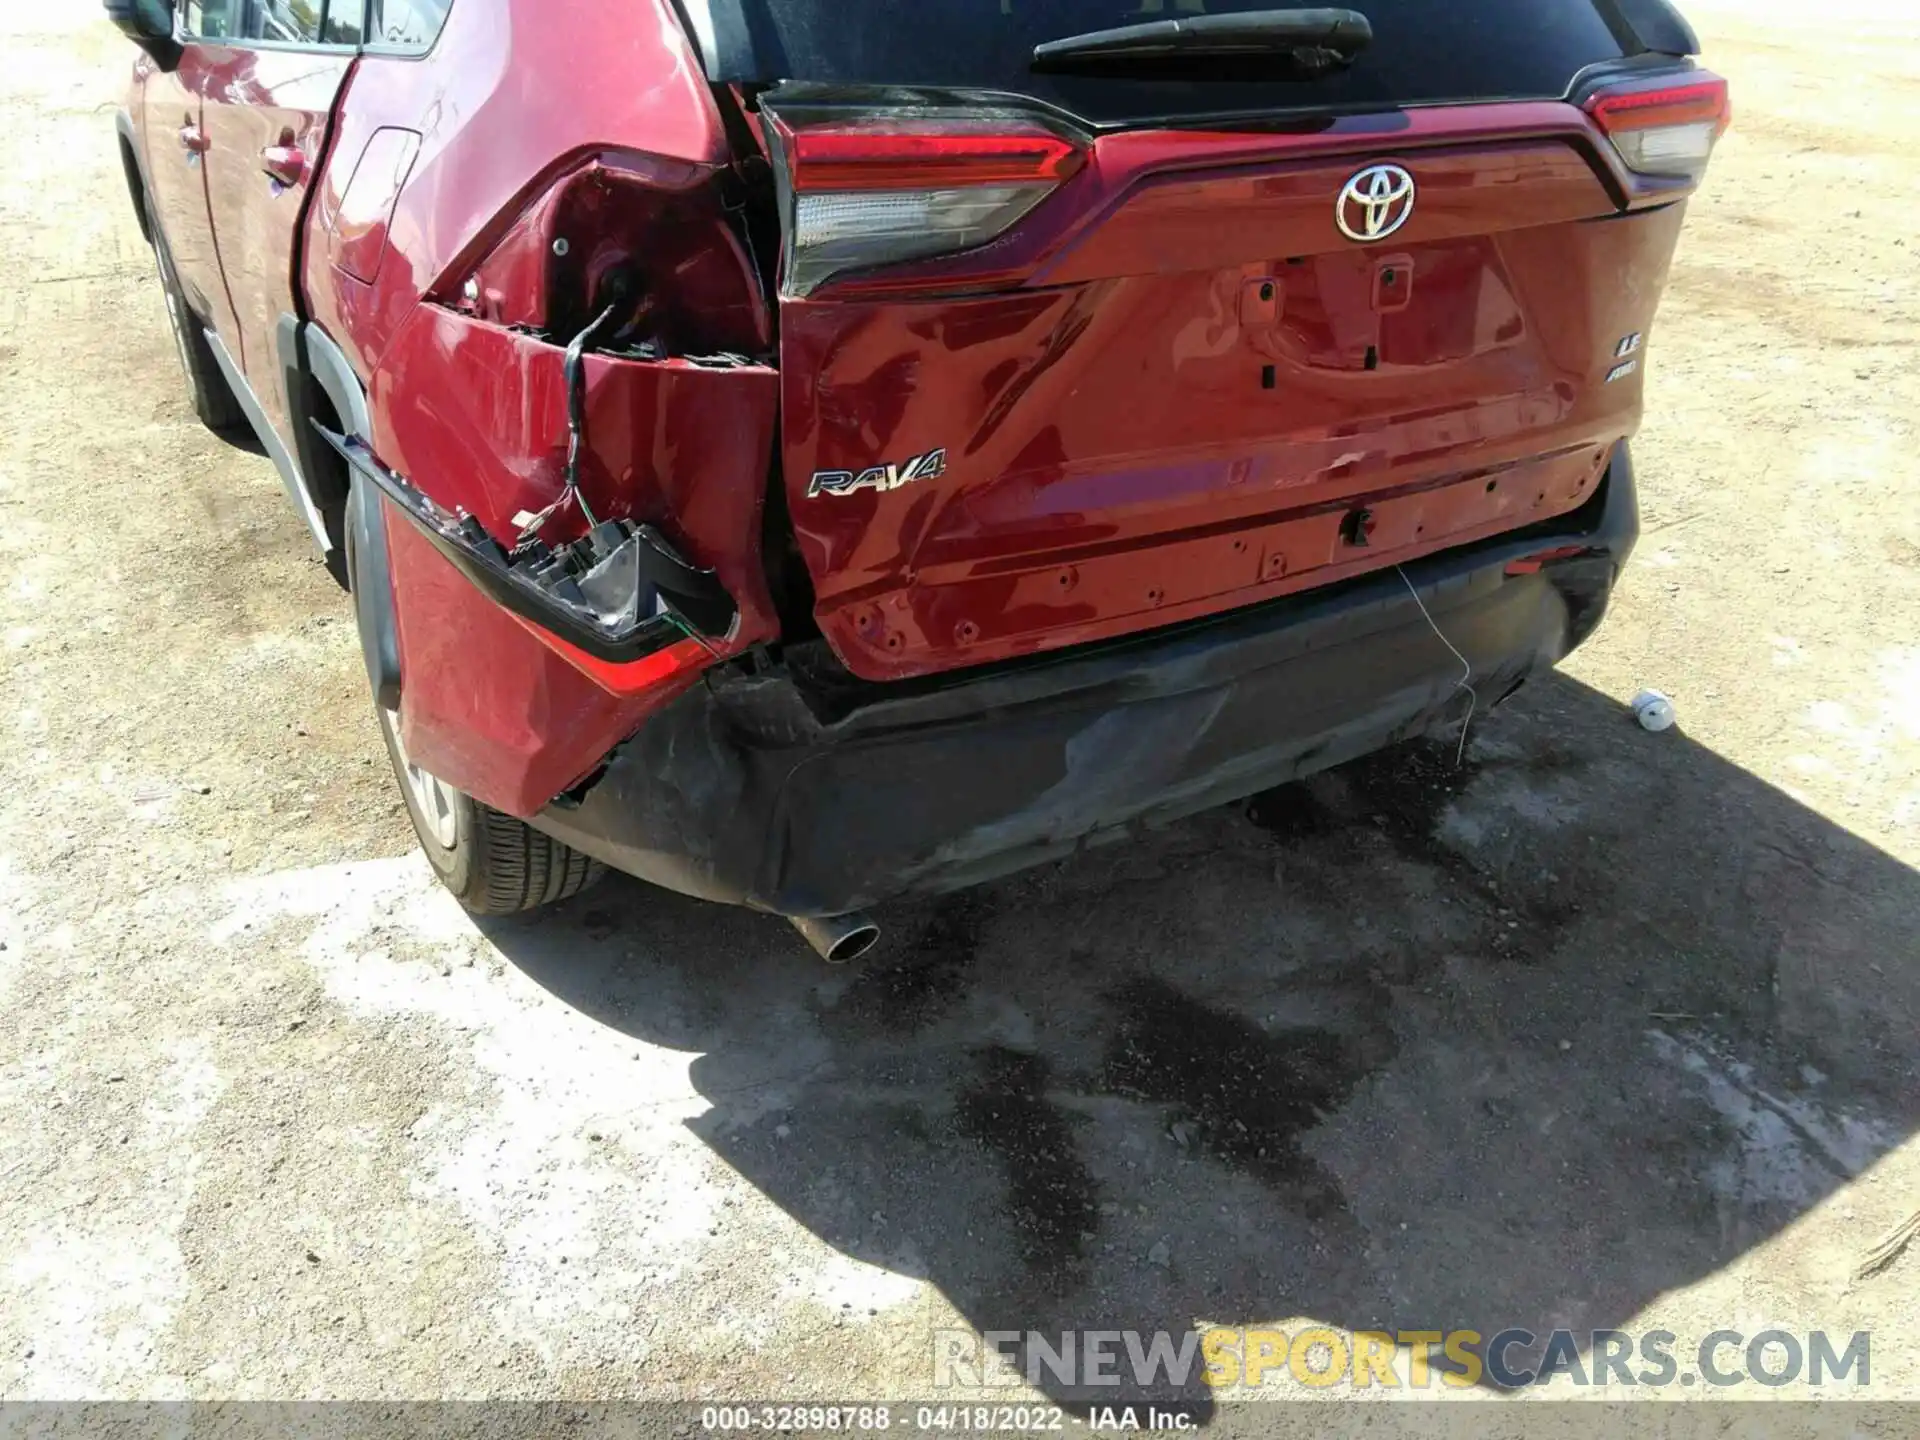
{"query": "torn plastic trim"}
(620, 593)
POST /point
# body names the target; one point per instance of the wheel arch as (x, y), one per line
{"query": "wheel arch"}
(136, 172)
(324, 387)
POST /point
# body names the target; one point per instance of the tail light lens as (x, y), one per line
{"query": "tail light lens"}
(1665, 127)
(879, 193)
(662, 674)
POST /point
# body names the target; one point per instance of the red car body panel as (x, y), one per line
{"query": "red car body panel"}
(361, 214)
(668, 442)
(1133, 470)
(168, 110)
(259, 102)
(490, 142)
(487, 706)
(1188, 378)
(475, 413)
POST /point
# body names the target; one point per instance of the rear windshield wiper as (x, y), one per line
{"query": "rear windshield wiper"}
(1311, 41)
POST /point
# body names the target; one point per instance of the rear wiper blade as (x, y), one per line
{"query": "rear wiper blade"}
(1312, 40)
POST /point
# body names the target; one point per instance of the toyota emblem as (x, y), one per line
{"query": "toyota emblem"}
(1375, 203)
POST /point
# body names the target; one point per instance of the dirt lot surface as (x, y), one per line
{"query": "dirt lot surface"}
(1603, 1029)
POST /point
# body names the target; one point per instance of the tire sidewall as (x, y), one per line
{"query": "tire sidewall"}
(458, 865)
(211, 396)
(176, 305)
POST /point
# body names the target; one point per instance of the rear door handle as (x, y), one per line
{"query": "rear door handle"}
(193, 139)
(285, 163)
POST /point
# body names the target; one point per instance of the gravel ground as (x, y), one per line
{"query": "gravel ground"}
(1600, 1029)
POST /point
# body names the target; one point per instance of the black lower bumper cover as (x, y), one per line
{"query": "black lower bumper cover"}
(737, 792)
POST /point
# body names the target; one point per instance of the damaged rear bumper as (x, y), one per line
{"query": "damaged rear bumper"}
(741, 793)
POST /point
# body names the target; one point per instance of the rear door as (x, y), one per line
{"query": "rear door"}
(176, 150)
(1072, 354)
(269, 100)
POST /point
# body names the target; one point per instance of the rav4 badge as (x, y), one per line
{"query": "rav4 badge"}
(883, 478)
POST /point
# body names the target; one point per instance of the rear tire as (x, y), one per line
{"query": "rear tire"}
(213, 399)
(493, 863)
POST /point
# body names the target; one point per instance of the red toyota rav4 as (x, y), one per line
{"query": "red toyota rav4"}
(802, 452)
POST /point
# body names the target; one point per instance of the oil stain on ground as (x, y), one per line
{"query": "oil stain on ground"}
(1405, 793)
(916, 983)
(1244, 1094)
(1052, 1199)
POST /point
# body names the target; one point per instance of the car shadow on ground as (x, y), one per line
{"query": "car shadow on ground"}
(1522, 1043)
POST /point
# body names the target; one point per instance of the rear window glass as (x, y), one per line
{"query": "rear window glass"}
(1423, 51)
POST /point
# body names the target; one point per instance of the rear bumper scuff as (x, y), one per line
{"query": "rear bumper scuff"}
(738, 793)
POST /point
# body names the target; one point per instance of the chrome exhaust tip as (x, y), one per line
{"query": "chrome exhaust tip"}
(838, 939)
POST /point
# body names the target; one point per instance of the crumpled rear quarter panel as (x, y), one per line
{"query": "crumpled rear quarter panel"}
(475, 415)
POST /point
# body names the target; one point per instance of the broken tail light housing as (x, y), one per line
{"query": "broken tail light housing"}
(618, 596)
(1665, 127)
(883, 191)
(663, 223)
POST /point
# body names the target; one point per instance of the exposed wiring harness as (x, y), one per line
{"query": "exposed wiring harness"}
(616, 298)
(575, 371)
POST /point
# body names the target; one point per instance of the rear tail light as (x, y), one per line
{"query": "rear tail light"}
(878, 193)
(1665, 127)
(662, 674)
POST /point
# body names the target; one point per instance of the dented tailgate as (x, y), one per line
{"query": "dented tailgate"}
(1197, 392)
